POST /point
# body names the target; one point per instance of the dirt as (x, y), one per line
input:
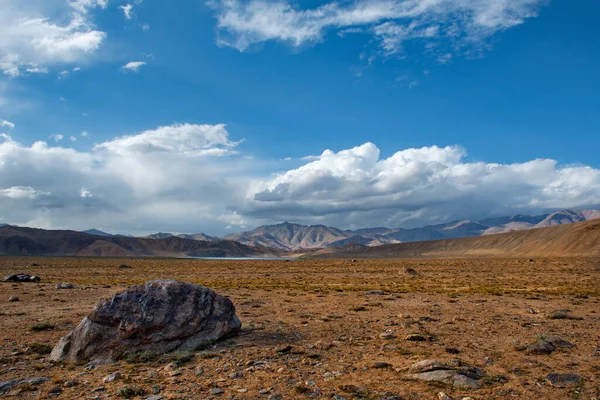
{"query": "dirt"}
(311, 331)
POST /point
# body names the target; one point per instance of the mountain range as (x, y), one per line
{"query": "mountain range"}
(290, 237)
(30, 241)
(581, 239)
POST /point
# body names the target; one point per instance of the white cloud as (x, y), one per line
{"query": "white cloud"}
(454, 23)
(85, 194)
(133, 66)
(56, 137)
(357, 187)
(84, 133)
(31, 40)
(63, 74)
(127, 10)
(21, 193)
(7, 124)
(73, 138)
(189, 178)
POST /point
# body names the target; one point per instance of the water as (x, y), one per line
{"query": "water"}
(243, 258)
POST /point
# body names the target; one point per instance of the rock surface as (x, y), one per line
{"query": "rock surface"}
(156, 317)
(21, 278)
(65, 285)
(7, 385)
(460, 377)
(563, 380)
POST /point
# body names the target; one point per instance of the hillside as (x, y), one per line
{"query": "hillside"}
(30, 241)
(578, 239)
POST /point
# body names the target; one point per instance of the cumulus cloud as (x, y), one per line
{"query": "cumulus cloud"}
(356, 187)
(7, 124)
(193, 177)
(453, 23)
(57, 137)
(133, 66)
(31, 40)
(183, 177)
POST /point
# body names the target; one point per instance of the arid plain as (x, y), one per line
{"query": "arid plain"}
(322, 328)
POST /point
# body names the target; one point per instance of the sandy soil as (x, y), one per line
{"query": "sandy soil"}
(311, 331)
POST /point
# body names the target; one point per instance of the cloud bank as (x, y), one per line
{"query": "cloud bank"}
(191, 177)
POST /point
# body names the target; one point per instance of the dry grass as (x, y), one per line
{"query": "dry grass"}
(483, 310)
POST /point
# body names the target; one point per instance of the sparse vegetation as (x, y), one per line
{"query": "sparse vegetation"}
(42, 326)
(40, 348)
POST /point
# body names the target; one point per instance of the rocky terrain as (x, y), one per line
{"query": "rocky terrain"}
(372, 329)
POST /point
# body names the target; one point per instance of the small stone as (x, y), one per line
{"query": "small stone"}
(275, 397)
(13, 298)
(284, 349)
(65, 285)
(417, 337)
(55, 390)
(124, 266)
(199, 372)
(539, 348)
(387, 335)
(410, 271)
(563, 380)
(154, 398)
(374, 293)
(380, 365)
(443, 396)
(338, 397)
(452, 350)
(216, 391)
(465, 383)
(70, 384)
(112, 377)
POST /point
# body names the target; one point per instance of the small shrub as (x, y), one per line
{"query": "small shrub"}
(40, 348)
(139, 357)
(42, 326)
(131, 391)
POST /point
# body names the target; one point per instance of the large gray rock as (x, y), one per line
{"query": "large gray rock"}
(156, 317)
(21, 278)
(461, 377)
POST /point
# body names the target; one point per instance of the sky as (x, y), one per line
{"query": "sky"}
(138, 116)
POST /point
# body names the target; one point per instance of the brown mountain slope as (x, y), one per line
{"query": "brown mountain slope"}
(579, 239)
(30, 241)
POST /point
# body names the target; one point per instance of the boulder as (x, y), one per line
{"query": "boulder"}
(564, 380)
(459, 376)
(21, 278)
(156, 317)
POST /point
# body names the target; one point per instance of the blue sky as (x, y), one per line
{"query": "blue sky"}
(137, 116)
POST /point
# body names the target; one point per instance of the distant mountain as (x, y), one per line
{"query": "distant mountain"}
(289, 236)
(97, 232)
(30, 241)
(193, 236)
(580, 239)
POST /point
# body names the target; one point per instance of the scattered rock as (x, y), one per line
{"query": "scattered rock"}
(124, 266)
(443, 396)
(154, 397)
(559, 343)
(356, 390)
(464, 382)
(380, 365)
(7, 385)
(216, 391)
(539, 348)
(13, 298)
(417, 337)
(156, 317)
(410, 271)
(112, 377)
(387, 335)
(65, 285)
(24, 278)
(374, 293)
(563, 380)
(452, 350)
(459, 376)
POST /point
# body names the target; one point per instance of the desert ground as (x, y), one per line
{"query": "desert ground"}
(313, 329)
